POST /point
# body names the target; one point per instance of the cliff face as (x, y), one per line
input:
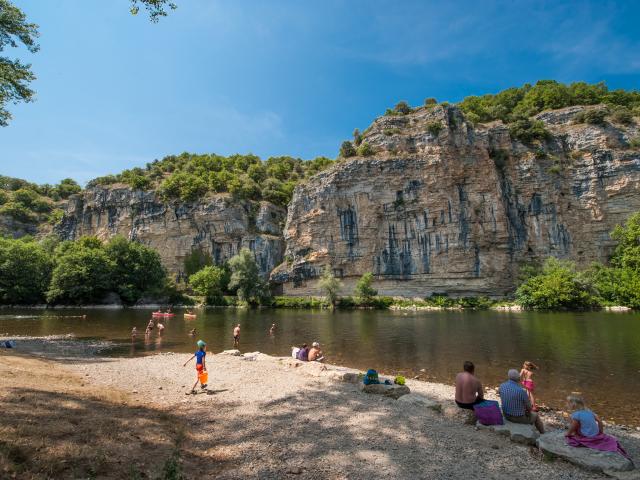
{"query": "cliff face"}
(460, 209)
(217, 225)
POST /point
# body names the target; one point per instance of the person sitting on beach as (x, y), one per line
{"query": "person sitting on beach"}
(516, 405)
(315, 354)
(587, 430)
(526, 379)
(303, 353)
(201, 364)
(468, 388)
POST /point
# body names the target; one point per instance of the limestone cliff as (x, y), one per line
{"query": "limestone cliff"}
(456, 208)
(216, 224)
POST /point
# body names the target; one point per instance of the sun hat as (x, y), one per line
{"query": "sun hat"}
(201, 343)
(315, 344)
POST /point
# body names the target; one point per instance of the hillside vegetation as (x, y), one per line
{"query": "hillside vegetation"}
(32, 203)
(190, 176)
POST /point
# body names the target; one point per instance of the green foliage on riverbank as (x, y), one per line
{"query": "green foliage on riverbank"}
(559, 285)
(190, 176)
(79, 272)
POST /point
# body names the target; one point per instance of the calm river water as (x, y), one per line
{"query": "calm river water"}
(597, 354)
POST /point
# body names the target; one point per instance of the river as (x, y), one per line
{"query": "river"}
(595, 353)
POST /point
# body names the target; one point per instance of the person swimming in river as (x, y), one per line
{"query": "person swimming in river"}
(526, 379)
(134, 333)
(272, 330)
(201, 363)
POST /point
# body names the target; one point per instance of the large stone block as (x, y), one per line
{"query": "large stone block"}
(554, 443)
(517, 432)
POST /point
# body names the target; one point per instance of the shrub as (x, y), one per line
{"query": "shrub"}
(391, 131)
(557, 287)
(593, 117)
(430, 102)
(330, 285)
(347, 150)
(357, 137)
(635, 142)
(622, 115)
(209, 282)
(555, 169)
(434, 127)
(402, 108)
(527, 131)
(365, 150)
(364, 292)
(299, 302)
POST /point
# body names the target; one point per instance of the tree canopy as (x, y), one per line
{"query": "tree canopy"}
(189, 176)
(15, 76)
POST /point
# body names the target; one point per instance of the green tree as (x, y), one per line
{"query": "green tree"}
(557, 287)
(196, 261)
(330, 285)
(246, 279)
(82, 273)
(67, 187)
(25, 271)
(357, 137)
(136, 269)
(364, 292)
(15, 76)
(209, 282)
(155, 8)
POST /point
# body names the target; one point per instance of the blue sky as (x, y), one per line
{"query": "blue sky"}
(282, 77)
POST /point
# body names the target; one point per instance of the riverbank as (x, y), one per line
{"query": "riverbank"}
(261, 417)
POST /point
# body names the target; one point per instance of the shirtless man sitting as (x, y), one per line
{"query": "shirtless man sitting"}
(468, 388)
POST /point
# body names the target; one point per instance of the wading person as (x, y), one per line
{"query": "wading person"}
(526, 379)
(236, 336)
(201, 363)
(468, 388)
(516, 405)
(272, 330)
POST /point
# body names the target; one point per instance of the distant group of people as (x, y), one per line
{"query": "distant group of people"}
(518, 406)
(306, 354)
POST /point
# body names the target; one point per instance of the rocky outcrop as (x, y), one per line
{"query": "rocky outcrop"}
(446, 207)
(216, 225)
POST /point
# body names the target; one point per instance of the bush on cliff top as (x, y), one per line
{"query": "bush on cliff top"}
(530, 100)
(32, 203)
(190, 176)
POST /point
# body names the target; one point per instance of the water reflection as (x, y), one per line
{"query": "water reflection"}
(595, 353)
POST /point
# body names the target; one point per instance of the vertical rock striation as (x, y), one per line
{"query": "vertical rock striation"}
(458, 211)
(217, 225)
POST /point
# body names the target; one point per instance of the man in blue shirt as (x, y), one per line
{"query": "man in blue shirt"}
(515, 402)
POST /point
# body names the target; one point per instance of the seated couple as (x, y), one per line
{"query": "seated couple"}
(516, 406)
(306, 354)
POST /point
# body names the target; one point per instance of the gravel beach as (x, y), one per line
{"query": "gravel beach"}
(264, 417)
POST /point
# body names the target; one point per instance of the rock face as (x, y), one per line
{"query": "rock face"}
(216, 225)
(458, 210)
(555, 444)
(517, 432)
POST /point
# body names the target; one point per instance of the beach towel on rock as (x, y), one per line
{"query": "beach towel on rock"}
(488, 413)
(602, 442)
